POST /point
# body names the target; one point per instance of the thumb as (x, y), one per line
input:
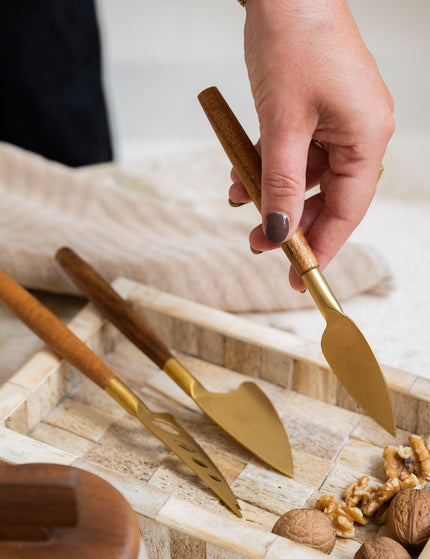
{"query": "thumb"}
(284, 154)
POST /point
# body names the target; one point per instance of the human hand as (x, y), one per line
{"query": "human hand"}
(312, 77)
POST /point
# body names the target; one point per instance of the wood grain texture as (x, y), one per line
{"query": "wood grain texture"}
(247, 162)
(100, 524)
(52, 331)
(113, 306)
(36, 498)
(332, 445)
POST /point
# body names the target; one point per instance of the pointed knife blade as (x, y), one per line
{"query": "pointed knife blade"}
(246, 413)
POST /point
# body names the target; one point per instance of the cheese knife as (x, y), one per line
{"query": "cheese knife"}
(343, 345)
(65, 343)
(246, 413)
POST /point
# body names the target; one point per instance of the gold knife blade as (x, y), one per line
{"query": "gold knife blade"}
(245, 413)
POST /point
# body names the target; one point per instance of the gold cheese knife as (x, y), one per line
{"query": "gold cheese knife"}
(344, 346)
(246, 413)
(163, 425)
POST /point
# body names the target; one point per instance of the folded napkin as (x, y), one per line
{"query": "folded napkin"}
(154, 239)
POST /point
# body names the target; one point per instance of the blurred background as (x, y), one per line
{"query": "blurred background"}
(159, 55)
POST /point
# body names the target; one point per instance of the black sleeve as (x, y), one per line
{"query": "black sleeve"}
(51, 94)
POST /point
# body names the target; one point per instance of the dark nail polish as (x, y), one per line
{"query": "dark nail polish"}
(235, 204)
(277, 226)
(255, 251)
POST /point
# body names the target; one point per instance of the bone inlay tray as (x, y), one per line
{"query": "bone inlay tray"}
(50, 413)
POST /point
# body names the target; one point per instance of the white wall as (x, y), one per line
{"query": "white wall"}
(158, 57)
(159, 54)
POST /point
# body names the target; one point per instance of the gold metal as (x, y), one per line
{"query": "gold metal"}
(320, 144)
(350, 356)
(131, 324)
(246, 414)
(183, 378)
(174, 436)
(123, 395)
(321, 292)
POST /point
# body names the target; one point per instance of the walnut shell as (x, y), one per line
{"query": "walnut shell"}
(307, 526)
(408, 518)
(382, 548)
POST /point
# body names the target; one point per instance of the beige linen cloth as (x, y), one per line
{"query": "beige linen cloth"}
(157, 240)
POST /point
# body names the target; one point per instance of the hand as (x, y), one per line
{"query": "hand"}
(312, 77)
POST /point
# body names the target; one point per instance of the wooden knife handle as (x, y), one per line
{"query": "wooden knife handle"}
(52, 331)
(113, 306)
(247, 162)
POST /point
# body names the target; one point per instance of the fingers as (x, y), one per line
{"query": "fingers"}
(237, 194)
(285, 176)
(330, 217)
(347, 184)
(283, 179)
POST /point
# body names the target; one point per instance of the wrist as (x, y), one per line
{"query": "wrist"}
(299, 7)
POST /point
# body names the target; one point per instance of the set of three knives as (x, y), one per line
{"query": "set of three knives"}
(246, 413)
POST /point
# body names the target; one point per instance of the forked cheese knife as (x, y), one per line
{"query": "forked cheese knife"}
(163, 425)
(246, 413)
(344, 346)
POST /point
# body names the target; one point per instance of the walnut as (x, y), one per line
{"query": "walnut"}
(380, 516)
(406, 460)
(307, 526)
(408, 518)
(386, 492)
(341, 515)
(397, 460)
(382, 548)
(406, 467)
(358, 491)
(422, 457)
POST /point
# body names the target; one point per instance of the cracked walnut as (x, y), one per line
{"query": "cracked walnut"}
(412, 459)
(341, 515)
(405, 467)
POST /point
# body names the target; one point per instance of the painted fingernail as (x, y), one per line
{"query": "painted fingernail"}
(304, 291)
(277, 227)
(255, 251)
(235, 204)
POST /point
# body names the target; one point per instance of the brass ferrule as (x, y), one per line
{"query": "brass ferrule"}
(181, 376)
(321, 292)
(123, 395)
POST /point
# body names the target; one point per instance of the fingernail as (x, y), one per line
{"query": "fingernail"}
(255, 251)
(235, 204)
(304, 291)
(277, 226)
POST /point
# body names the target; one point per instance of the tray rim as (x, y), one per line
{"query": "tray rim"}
(410, 393)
